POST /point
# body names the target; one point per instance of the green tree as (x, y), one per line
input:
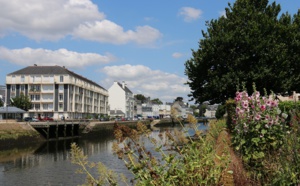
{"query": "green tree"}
(202, 109)
(220, 111)
(140, 97)
(180, 99)
(22, 102)
(251, 44)
(157, 101)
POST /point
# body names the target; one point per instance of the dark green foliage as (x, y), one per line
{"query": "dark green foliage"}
(220, 111)
(22, 102)
(140, 97)
(253, 44)
(157, 101)
(230, 108)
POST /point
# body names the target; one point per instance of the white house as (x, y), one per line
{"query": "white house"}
(121, 98)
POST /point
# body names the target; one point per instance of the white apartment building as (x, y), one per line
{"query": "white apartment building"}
(56, 91)
(121, 98)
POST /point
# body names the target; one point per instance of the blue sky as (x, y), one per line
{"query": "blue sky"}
(144, 43)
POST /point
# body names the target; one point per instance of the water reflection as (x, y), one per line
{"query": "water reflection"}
(49, 163)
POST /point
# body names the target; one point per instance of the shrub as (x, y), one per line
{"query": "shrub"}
(230, 108)
(259, 127)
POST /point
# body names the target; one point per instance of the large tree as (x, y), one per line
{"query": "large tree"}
(22, 102)
(251, 44)
(141, 97)
(157, 101)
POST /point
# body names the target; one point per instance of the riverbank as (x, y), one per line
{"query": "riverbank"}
(17, 133)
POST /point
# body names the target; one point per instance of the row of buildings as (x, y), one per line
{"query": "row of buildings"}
(57, 92)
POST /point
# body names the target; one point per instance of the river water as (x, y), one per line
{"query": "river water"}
(49, 164)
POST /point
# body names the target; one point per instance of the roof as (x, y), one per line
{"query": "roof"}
(11, 110)
(58, 70)
(126, 89)
(116, 112)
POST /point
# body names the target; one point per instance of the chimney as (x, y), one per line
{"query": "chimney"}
(123, 84)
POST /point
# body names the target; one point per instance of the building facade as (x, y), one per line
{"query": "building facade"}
(56, 92)
(121, 98)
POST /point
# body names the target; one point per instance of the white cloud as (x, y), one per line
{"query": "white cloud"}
(44, 19)
(190, 14)
(54, 20)
(62, 57)
(177, 55)
(143, 80)
(109, 32)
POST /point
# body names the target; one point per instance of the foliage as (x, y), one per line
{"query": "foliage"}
(141, 97)
(157, 101)
(252, 43)
(221, 110)
(180, 99)
(171, 158)
(106, 177)
(260, 128)
(202, 109)
(22, 102)
(230, 109)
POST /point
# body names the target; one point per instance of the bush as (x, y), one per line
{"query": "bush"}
(230, 108)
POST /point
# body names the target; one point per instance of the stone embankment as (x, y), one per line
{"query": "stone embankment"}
(17, 133)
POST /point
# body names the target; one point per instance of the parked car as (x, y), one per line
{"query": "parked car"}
(47, 119)
(30, 119)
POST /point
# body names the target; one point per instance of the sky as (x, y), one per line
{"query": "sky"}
(143, 43)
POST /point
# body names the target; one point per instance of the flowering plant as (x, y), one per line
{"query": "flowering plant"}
(259, 126)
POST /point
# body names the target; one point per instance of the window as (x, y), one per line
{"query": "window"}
(32, 97)
(37, 97)
(60, 106)
(13, 88)
(23, 78)
(22, 88)
(61, 97)
(37, 106)
(35, 88)
(61, 78)
(45, 106)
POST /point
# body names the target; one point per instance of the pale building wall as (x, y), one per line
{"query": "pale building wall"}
(117, 98)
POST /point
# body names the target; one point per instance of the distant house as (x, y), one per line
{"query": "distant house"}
(182, 109)
(121, 98)
(117, 114)
(294, 97)
(210, 111)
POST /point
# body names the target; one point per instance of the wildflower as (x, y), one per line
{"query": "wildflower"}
(257, 117)
(263, 107)
(245, 104)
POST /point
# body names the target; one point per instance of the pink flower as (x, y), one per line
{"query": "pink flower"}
(245, 104)
(274, 103)
(263, 107)
(268, 103)
(257, 117)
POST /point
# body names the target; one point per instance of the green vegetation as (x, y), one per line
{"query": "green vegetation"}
(259, 142)
(22, 102)
(253, 43)
(174, 158)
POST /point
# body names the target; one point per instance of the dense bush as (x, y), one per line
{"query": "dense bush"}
(230, 109)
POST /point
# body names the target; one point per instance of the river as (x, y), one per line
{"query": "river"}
(49, 163)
